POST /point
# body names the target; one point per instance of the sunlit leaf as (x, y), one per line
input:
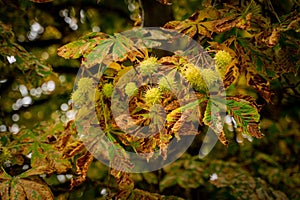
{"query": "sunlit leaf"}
(82, 46)
(115, 48)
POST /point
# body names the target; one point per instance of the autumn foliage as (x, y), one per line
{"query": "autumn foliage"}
(254, 66)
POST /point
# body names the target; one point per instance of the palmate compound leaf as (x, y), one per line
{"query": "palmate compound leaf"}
(22, 187)
(244, 112)
(82, 46)
(45, 155)
(100, 47)
(196, 24)
(117, 48)
(209, 21)
(254, 79)
(246, 115)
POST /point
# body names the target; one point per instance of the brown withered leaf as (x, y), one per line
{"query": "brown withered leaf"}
(254, 130)
(225, 24)
(254, 79)
(82, 165)
(178, 124)
(170, 60)
(272, 40)
(260, 84)
(186, 124)
(235, 20)
(120, 159)
(72, 149)
(244, 23)
(65, 135)
(231, 74)
(123, 179)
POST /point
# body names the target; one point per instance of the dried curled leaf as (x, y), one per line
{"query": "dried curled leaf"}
(260, 84)
(272, 40)
(82, 165)
(231, 74)
(123, 179)
(73, 148)
(208, 21)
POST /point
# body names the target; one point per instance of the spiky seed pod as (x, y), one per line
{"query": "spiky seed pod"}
(223, 59)
(131, 89)
(194, 77)
(108, 89)
(148, 66)
(78, 97)
(153, 96)
(85, 84)
(209, 76)
(166, 83)
(84, 93)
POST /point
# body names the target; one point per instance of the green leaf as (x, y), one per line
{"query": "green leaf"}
(99, 53)
(246, 115)
(214, 121)
(115, 48)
